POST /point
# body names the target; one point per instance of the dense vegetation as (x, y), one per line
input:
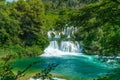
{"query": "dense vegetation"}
(99, 27)
(24, 26)
(98, 23)
(22, 34)
(65, 4)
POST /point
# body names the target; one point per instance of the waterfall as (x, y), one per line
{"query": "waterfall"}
(53, 44)
(65, 46)
(68, 46)
(59, 47)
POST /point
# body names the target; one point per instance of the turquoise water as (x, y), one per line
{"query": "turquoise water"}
(74, 67)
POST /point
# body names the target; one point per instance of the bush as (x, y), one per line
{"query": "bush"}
(33, 51)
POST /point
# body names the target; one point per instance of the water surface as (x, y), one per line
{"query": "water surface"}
(74, 67)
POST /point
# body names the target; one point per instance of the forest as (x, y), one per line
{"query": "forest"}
(24, 25)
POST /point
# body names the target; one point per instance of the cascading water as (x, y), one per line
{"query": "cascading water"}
(65, 48)
(73, 64)
(59, 47)
(54, 45)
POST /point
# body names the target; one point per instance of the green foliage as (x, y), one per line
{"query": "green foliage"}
(16, 50)
(45, 74)
(99, 27)
(52, 35)
(8, 26)
(31, 17)
(6, 69)
(20, 52)
(50, 20)
(62, 20)
(65, 4)
(22, 25)
(6, 72)
(33, 51)
(22, 33)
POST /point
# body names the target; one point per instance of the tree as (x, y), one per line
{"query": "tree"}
(31, 16)
(65, 4)
(22, 26)
(8, 26)
(99, 27)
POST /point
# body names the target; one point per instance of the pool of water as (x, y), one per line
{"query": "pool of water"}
(74, 67)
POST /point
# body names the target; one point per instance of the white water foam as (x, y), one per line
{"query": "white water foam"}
(49, 52)
(65, 31)
(59, 49)
(65, 48)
